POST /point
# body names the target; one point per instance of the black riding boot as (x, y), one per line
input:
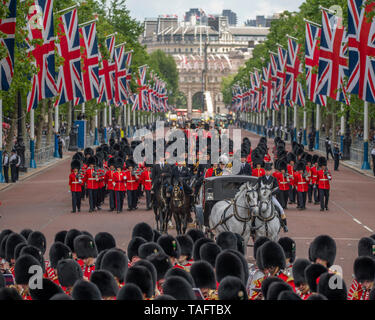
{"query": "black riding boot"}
(284, 224)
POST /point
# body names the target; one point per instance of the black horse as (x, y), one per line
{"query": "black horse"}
(180, 207)
(160, 204)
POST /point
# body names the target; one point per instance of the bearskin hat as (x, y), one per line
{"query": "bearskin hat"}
(130, 292)
(364, 269)
(315, 159)
(240, 243)
(25, 233)
(12, 241)
(244, 263)
(308, 158)
(133, 247)
(48, 290)
(283, 165)
(291, 157)
(161, 262)
(119, 163)
(276, 140)
(178, 288)
(268, 166)
(288, 295)
(36, 253)
(104, 240)
(84, 290)
(88, 151)
(85, 247)
(61, 297)
(150, 267)
(142, 277)
(322, 161)
(70, 236)
(228, 264)
(232, 288)
(186, 245)
(272, 255)
(57, 252)
(366, 247)
(289, 247)
(258, 243)
(116, 262)
(91, 161)
(170, 246)
(111, 162)
(276, 288)
(68, 272)
(312, 273)
(143, 230)
(18, 248)
(38, 239)
(203, 275)
(266, 283)
(336, 293)
(78, 156)
(22, 267)
(226, 240)
(181, 273)
(60, 236)
(9, 294)
(324, 248)
(298, 271)
(195, 234)
(197, 247)
(105, 282)
(75, 164)
(209, 252)
(130, 163)
(316, 297)
(88, 234)
(148, 249)
(99, 258)
(3, 245)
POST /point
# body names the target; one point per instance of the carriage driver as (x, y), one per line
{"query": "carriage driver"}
(269, 180)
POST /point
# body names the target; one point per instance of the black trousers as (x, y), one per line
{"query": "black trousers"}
(337, 163)
(13, 173)
(310, 192)
(132, 199)
(112, 198)
(324, 198)
(83, 193)
(100, 197)
(283, 198)
(93, 194)
(329, 152)
(292, 195)
(148, 198)
(301, 199)
(316, 194)
(60, 152)
(120, 196)
(76, 201)
(373, 163)
(6, 174)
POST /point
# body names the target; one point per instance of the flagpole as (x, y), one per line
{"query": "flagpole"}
(295, 121)
(305, 127)
(68, 9)
(366, 164)
(285, 118)
(56, 153)
(124, 116)
(342, 129)
(105, 124)
(109, 115)
(317, 127)
(88, 22)
(129, 107)
(96, 141)
(1, 142)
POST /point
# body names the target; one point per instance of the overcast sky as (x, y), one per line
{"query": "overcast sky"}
(245, 9)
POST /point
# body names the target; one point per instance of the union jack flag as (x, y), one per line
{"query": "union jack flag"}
(258, 91)
(333, 63)
(281, 76)
(312, 47)
(141, 98)
(107, 74)
(273, 66)
(69, 80)
(267, 88)
(252, 92)
(43, 83)
(361, 34)
(8, 27)
(123, 60)
(294, 91)
(90, 59)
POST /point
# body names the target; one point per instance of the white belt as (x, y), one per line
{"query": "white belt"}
(148, 180)
(75, 182)
(131, 180)
(92, 178)
(323, 179)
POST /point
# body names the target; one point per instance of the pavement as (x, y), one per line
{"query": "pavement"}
(42, 201)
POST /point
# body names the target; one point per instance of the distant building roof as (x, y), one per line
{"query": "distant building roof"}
(239, 31)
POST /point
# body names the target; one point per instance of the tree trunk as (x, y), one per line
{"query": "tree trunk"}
(69, 117)
(25, 134)
(50, 123)
(40, 124)
(12, 132)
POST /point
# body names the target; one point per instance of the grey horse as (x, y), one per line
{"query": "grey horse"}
(235, 215)
(267, 221)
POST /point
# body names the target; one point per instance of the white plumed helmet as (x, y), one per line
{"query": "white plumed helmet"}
(224, 159)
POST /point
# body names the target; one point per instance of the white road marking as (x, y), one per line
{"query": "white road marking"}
(368, 229)
(359, 222)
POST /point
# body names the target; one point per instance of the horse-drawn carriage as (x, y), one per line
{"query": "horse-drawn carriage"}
(215, 189)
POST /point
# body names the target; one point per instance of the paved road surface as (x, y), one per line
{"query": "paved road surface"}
(44, 203)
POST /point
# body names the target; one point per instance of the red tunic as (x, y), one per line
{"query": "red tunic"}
(258, 172)
(75, 185)
(209, 172)
(108, 179)
(131, 181)
(92, 183)
(248, 160)
(267, 158)
(101, 182)
(288, 280)
(300, 182)
(86, 270)
(322, 180)
(145, 179)
(314, 175)
(282, 181)
(291, 171)
(356, 292)
(309, 172)
(119, 179)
